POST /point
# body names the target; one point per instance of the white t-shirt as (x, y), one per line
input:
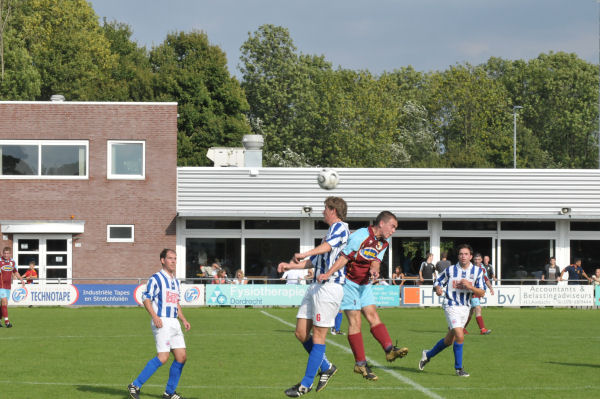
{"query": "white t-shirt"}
(295, 276)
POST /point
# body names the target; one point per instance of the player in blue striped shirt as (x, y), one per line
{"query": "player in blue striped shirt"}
(457, 284)
(321, 303)
(161, 300)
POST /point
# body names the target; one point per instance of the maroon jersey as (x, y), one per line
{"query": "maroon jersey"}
(362, 249)
(7, 268)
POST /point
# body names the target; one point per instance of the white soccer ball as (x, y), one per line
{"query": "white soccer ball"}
(328, 179)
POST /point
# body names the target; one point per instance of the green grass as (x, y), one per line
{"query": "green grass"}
(243, 353)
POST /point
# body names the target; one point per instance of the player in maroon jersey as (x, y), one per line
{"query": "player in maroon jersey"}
(8, 269)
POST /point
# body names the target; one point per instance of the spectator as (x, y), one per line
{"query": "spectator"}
(295, 276)
(239, 278)
(551, 272)
(220, 277)
(576, 273)
(442, 264)
(212, 270)
(596, 278)
(489, 268)
(427, 270)
(398, 276)
(31, 274)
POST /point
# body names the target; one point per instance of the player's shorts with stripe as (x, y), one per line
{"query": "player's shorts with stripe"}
(475, 302)
(321, 303)
(456, 316)
(357, 296)
(169, 336)
(4, 293)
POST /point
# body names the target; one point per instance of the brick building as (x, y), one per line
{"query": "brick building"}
(88, 190)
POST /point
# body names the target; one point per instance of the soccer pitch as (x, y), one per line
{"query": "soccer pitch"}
(252, 353)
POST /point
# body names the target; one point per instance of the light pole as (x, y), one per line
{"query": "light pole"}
(515, 108)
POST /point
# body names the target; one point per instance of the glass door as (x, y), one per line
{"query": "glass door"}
(51, 253)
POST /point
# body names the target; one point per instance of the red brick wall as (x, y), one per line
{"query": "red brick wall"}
(148, 204)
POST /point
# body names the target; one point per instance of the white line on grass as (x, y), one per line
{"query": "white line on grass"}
(394, 373)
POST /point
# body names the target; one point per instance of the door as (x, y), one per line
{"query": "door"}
(52, 254)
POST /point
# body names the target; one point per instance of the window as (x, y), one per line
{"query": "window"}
(46, 159)
(525, 225)
(50, 252)
(119, 233)
(273, 224)
(126, 160)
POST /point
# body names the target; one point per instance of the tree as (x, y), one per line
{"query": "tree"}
(67, 46)
(191, 71)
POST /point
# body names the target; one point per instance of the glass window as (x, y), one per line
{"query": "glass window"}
(469, 225)
(56, 273)
(126, 159)
(264, 254)
(412, 225)
(483, 245)
(24, 259)
(272, 224)
(321, 225)
(408, 253)
(585, 226)
(119, 233)
(56, 245)
(56, 259)
(205, 251)
(63, 160)
(43, 158)
(213, 224)
(19, 159)
(523, 261)
(527, 226)
(29, 245)
(589, 253)
(358, 224)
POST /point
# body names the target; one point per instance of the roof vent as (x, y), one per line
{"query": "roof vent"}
(56, 98)
(253, 144)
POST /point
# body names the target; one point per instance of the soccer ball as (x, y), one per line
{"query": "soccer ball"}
(328, 179)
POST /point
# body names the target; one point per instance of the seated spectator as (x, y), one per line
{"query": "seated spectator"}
(398, 276)
(295, 276)
(212, 270)
(596, 277)
(30, 274)
(220, 277)
(239, 277)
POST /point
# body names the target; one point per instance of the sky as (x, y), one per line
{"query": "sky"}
(377, 35)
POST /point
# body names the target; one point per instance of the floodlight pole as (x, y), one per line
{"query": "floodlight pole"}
(515, 108)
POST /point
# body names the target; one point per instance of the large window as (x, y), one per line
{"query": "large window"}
(126, 160)
(408, 253)
(589, 253)
(264, 254)
(525, 259)
(51, 254)
(50, 159)
(205, 251)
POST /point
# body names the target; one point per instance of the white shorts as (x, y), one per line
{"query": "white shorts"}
(321, 303)
(456, 316)
(169, 336)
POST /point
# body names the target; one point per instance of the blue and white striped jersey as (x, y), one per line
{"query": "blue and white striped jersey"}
(163, 291)
(337, 237)
(451, 276)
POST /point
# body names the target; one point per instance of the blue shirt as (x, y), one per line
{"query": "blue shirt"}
(163, 291)
(575, 274)
(451, 276)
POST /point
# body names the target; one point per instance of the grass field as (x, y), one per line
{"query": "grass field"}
(252, 353)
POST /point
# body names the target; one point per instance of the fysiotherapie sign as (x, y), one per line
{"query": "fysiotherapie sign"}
(255, 294)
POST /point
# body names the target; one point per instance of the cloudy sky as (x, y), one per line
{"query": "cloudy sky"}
(378, 35)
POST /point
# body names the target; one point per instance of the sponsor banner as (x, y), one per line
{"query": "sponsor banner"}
(597, 295)
(106, 294)
(44, 295)
(255, 294)
(426, 296)
(191, 294)
(557, 295)
(386, 295)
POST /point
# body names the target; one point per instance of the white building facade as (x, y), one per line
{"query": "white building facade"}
(252, 218)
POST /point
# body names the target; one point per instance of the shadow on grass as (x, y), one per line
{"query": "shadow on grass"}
(576, 364)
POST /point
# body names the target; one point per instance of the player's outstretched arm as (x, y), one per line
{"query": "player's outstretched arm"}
(285, 266)
(181, 317)
(322, 248)
(339, 263)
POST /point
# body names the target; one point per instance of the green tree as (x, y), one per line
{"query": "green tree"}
(67, 46)
(191, 71)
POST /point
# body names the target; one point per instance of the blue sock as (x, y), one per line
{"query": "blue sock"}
(458, 350)
(338, 321)
(440, 346)
(314, 361)
(174, 375)
(152, 365)
(325, 364)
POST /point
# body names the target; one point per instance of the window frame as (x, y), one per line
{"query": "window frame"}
(110, 239)
(109, 156)
(39, 144)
